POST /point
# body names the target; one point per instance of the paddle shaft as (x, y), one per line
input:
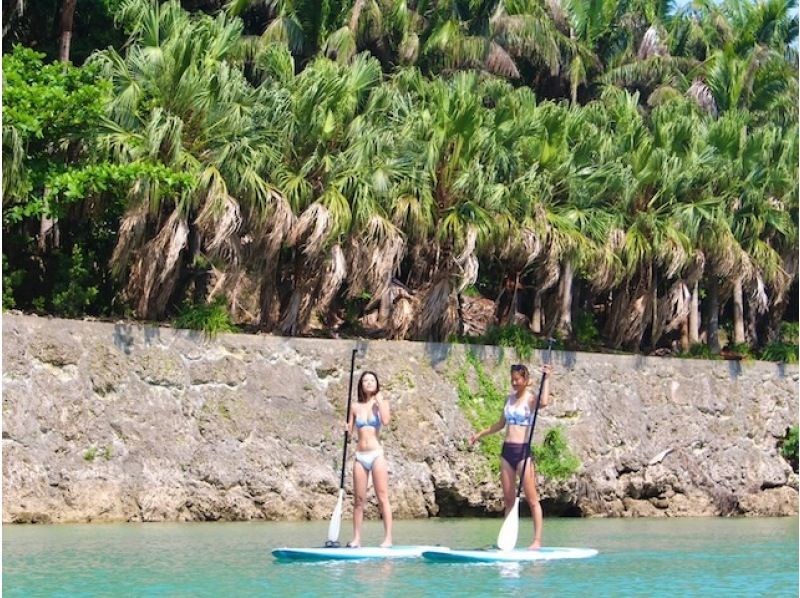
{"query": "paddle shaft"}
(347, 416)
(535, 413)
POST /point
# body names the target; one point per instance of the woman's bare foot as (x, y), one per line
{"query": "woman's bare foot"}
(354, 544)
(386, 543)
(537, 544)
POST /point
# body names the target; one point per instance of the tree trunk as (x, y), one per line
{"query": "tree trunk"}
(65, 29)
(685, 344)
(694, 316)
(565, 317)
(460, 312)
(655, 332)
(752, 323)
(712, 315)
(738, 312)
(536, 318)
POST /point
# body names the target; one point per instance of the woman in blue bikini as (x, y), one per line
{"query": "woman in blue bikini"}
(518, 416)
(367, 416)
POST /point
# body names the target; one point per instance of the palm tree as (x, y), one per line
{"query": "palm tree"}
(179, 102)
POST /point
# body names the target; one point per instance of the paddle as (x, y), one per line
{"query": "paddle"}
(507, 538)
(336, 518)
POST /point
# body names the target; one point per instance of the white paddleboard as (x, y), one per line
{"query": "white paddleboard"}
(446, 555)
(349, 554)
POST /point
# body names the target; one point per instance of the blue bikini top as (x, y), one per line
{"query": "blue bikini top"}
(517, 415)
(372, 422)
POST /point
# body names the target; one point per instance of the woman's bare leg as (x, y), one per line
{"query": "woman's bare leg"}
(380, 480)
(508, 478)
(532, 496)
(360, 478)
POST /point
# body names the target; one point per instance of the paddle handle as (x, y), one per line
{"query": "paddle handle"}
(548, 359)
(347, 416)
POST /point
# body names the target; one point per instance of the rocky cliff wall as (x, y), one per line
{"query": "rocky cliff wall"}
(120, 422)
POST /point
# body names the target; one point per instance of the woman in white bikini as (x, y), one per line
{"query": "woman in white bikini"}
(367, 416)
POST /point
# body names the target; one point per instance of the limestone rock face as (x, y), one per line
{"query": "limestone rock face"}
(119, 422)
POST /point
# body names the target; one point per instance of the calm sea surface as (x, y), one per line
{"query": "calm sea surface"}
(638, 557)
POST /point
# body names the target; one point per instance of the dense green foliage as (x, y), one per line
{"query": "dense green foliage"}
(371, 164)
(55, 178)
(482, 407)
(211, 318)
(553, 457)
(789, 448)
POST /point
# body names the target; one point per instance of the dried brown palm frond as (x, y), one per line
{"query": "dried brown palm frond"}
(394, 291)
(403, 309)
(603, 270)
(279, 224)
(129, 239)
(604, 267)
(409, 48)
(375, 257)
(466, 262)
(499, 62)
(559, 15)
(332, 279)
(268, 239)
(701, 94)
(220, 216)
(695, 268)
(153, 276)
(311, 229)
(241, 291)
(221, 220)
(425, 257)
(723, 257)
(784, 278)
(550, 273)
(531, 245)
(438, 315)
(757, 293)
(672, 310)
(651, 45)
(630, 309)
(616, 239)
(673, 257)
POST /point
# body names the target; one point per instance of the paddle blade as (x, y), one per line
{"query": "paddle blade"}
(507, 538)
(336, 519)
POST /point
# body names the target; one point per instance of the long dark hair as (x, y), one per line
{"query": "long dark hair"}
(362, 396)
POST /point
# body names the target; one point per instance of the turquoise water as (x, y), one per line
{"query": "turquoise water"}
(638, 557)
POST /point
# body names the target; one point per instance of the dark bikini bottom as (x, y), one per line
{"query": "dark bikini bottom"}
(515, 452)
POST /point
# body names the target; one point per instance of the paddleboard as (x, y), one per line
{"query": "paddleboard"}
(349, 554)
(446, 555)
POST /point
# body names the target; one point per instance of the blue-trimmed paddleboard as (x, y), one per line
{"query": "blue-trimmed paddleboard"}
(446, 555)
(349, 554)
